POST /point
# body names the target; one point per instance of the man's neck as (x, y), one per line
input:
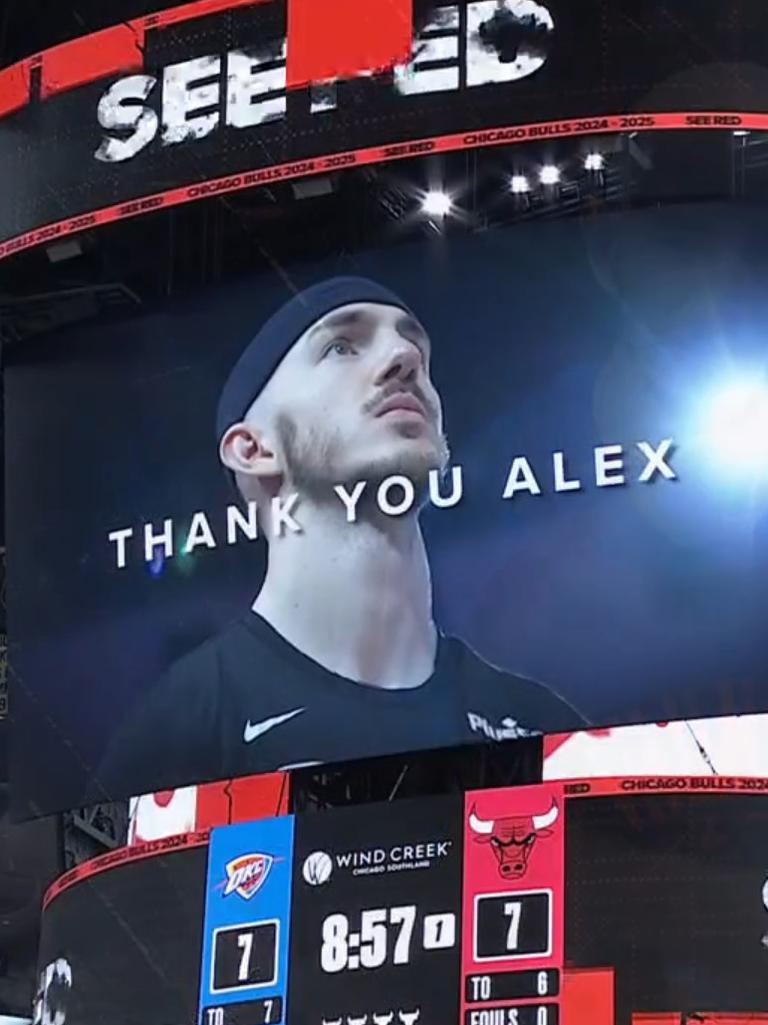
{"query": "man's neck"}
(354, 597)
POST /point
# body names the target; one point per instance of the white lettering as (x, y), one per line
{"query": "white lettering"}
(521, 478)
(256, 84)
(350, 501)
(200, 533)
(282, 515)
(120, 537)
(608, 469)
(121, 108)
(421, 75)
(457, 488)
(405, 503)
(656, 461)
(489, 60)
(187, 92)
(496, 42)
(561, 483)
(475, 721)
(50, 1008)
(236, 521)
(152, 541)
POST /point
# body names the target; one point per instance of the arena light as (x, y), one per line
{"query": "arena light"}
(436, 203)
(519, 184)
(594, 162)
(549, 174)
(735, 425)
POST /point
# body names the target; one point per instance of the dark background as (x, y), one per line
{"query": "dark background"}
(430, 978)
(666, 889)
(605, 57)
(637, 603)
(133, 938)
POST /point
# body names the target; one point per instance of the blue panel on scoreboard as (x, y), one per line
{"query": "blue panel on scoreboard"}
(243, 980)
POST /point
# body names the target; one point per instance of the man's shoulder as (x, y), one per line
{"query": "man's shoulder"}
(169, 734)
(204, 663)
(498, 690)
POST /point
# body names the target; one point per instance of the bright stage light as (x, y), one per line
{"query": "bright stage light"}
(436, 203)
(735, 424)
(549, 175)
(594, 162)
(519, 184)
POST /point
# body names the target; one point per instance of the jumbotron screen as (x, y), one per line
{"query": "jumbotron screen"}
(624, 901)
(464, 489)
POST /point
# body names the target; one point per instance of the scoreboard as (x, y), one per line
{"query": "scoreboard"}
(432, 911)
(498, 907)
(375, 896)
(628, 901)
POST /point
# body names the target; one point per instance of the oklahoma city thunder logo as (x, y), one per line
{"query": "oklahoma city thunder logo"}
(247, 874)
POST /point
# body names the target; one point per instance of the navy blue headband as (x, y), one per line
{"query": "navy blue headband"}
(260, 359)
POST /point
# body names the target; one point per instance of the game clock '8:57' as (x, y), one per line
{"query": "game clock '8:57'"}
(385, 934)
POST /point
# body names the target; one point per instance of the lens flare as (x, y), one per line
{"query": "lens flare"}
(735, 425)
(436, 203)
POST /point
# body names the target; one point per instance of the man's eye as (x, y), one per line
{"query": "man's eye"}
(340, 347)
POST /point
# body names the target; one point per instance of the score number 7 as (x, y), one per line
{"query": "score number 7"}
(512, 910)
(245, 943)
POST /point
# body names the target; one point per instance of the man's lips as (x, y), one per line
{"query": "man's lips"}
(403, 402)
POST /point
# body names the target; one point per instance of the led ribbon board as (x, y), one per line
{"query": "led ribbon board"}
(220, 95)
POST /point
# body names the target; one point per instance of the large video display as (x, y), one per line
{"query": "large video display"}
(421, 497)
(616, 902)
(218, 95)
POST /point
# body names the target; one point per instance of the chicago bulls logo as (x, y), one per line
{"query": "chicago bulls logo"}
(512, 838)
(247, 874)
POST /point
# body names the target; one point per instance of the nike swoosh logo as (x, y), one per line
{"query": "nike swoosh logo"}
(258, 729)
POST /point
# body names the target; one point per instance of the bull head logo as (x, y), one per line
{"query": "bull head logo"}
(512, 838)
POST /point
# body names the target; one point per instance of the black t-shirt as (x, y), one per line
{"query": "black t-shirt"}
(247, 701)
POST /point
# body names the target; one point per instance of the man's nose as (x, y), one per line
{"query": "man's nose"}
(400, 363)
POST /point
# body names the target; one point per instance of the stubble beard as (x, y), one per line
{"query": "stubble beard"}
(315, 464)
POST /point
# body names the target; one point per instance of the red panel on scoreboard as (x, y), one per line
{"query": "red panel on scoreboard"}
(344, 38)
(120, 48)
(14, 87)
(588, 996)
(700, 1019)
(513, 896)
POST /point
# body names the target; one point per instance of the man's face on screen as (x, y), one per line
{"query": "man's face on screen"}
(353, 400)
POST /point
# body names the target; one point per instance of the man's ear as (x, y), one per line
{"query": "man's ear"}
(243, 449)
